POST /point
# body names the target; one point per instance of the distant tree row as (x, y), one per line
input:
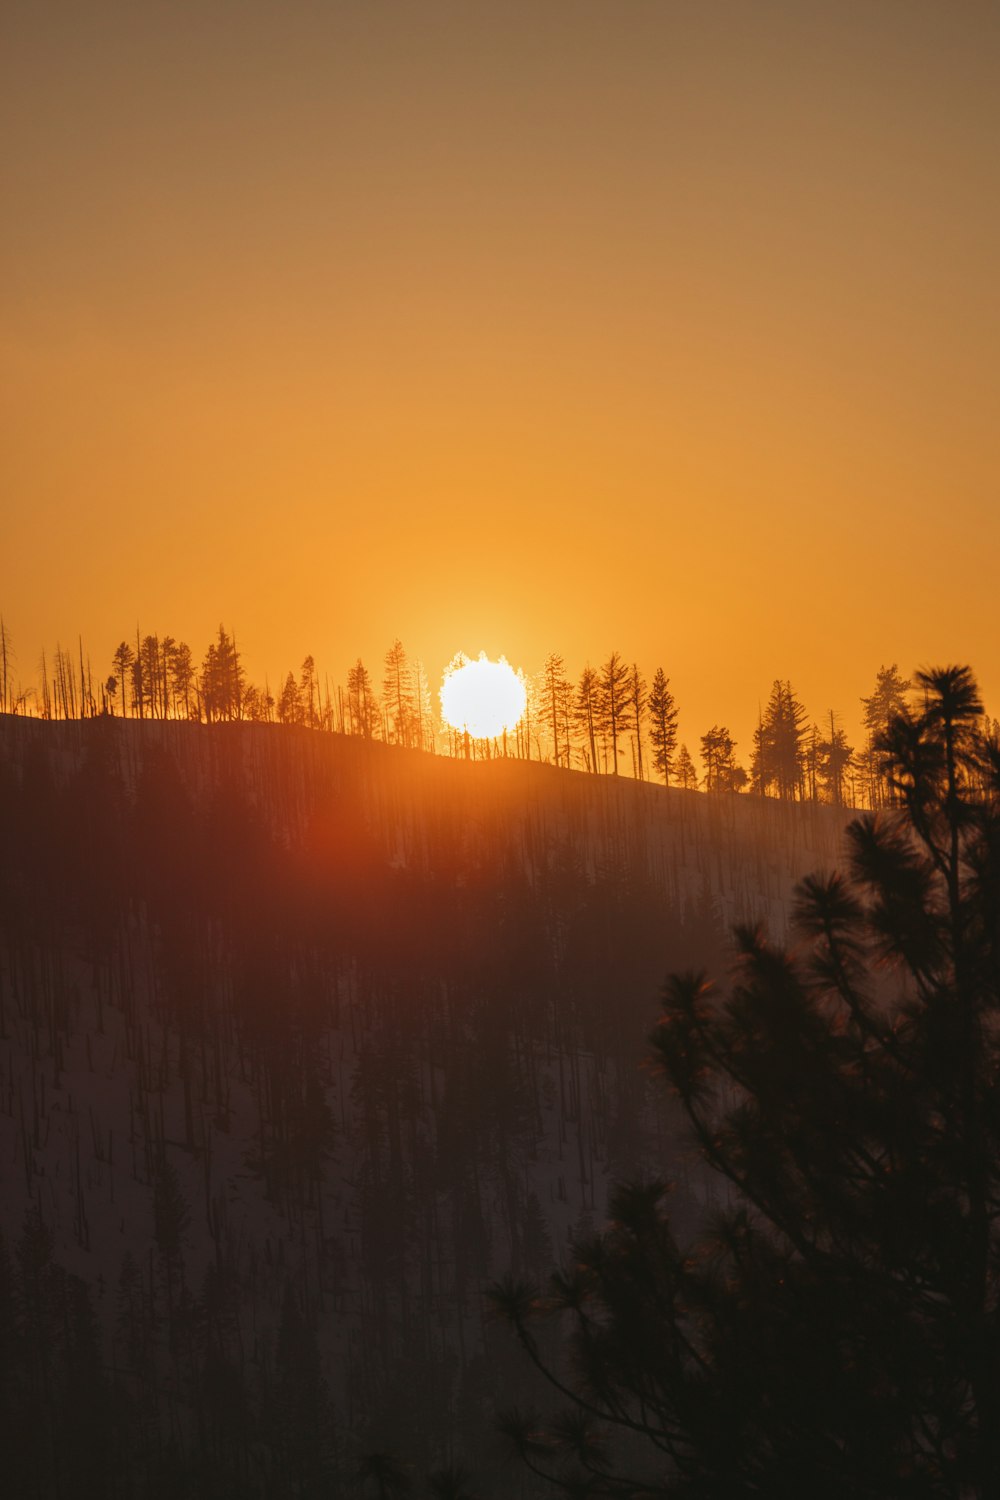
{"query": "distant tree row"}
(608, 720)
(157, 679)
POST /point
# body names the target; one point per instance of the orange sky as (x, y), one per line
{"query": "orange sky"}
(664, 327)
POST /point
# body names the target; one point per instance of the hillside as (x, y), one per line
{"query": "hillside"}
(302, 1040)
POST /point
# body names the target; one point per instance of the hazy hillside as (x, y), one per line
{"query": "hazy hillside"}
(302, 1040)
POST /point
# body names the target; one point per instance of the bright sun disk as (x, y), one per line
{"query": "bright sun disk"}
(482, 698)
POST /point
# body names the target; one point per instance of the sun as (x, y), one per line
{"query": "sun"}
(482, 698)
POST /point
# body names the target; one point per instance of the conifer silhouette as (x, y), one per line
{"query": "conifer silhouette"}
(833, 1331)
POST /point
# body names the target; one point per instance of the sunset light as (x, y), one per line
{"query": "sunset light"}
(352, 987)
(482, 698)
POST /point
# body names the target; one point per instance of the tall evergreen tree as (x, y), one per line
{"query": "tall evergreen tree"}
(148, 675)
(888, 699)
(662, 724)
(361, 701)
(718, 752)
(6, 664)
(833, 1331)
(309, 692)
(423, 708)
(638, 696)
(778, 761)
(587, 714)
(290, 709)
(687, 775)
(553, 713)
(181, 678)
(613, 701)
(222, 679)
(834, 756)
(397, 695)
(122, 662)
(168, 649)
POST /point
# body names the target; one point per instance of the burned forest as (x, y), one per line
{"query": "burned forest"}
(303, 1039)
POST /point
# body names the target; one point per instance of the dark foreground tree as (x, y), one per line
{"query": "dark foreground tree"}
(834, 1330)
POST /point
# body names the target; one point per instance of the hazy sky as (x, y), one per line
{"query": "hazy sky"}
(668, 327)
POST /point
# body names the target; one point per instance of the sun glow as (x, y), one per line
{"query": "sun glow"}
(482, 698)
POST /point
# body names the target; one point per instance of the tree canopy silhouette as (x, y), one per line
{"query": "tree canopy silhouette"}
(833, 1329)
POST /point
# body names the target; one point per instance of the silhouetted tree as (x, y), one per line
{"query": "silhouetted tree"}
(168, 647)
(587, 713)
(148, 673)
(687, 776)
(222, 679)
(309, 689)
(833, 758)
(6, 661)
(65, 687)
(887, 700)
(718, 751)
(613, 701)
(662, 724)
(778, 761)
(423, 708)
(122, 662)
(554, 693)
(181, 678)
(397, 695)
(138, 686)
(46, 700)
(638, 694)
(833, 1330)
(290, 702)
(361, 701)
(258, 704)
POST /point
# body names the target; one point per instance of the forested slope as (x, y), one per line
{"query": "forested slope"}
(303, 1039)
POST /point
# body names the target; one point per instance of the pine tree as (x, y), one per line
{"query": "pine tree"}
(778, 761)
(397, 695)
(586, 714)
(290, 702)
(181, 678)
(361, 702)
(423, 708)
(663, 725)
(638, 695)
(6, 662)
(832, 1332)
(46, 699)
(168, 647)
(833, 758)
(554, 690)
(222, 679)
(309, 691)
(687, 776)
(122, 661)
(718, 751)
(613, 701)
(887, 700)
(147, 678)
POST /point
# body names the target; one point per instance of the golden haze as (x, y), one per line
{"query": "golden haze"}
(670, 328)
